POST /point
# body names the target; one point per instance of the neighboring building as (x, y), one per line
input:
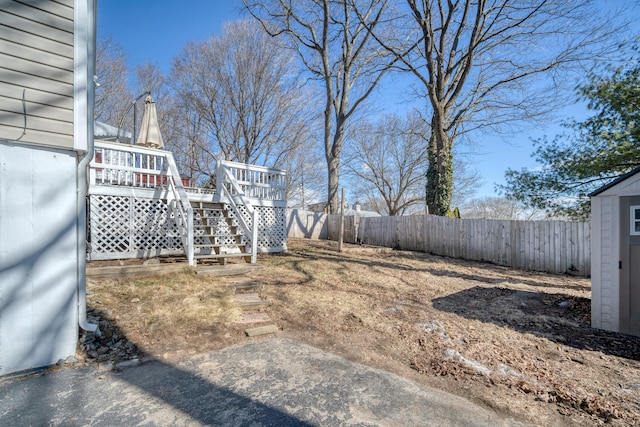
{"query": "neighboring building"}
(108, 133)
(355, 210)
(321, 207)
(47, 52)
(615, 255)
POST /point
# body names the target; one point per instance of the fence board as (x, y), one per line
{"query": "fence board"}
(304, 224)
(550, 246)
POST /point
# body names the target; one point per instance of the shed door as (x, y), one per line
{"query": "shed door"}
(634, 289)
(630, 265)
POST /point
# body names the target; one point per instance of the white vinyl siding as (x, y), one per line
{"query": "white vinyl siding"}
(609, 257)
(36, 58)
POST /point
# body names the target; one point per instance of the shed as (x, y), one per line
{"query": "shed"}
(615, 255)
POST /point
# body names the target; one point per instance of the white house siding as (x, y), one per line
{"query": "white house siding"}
(38, 256)
(37, 60)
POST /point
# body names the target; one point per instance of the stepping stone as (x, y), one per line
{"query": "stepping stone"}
(245, 286)
(249, 299)
(254, 317)
(233, 280)
(226, 270)
(261, 330)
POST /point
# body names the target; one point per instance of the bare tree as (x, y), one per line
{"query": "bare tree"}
(336, 48)
(248, 92)
(499, 208)
(149, 78)
(489, 64)
(387, 161)
(112, 94)
(305, 175)
(186, 136)
(466, 180)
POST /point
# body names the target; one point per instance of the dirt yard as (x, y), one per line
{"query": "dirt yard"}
(515, 341)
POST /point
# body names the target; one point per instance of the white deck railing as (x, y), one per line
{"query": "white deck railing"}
(136, 166)
(237, 184)
(253, 182)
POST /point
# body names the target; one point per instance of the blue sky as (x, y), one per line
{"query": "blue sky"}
(157, 30)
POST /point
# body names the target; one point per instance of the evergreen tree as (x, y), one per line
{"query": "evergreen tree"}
(591, 153)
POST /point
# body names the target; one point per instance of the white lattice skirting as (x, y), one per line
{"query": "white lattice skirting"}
(134, 227)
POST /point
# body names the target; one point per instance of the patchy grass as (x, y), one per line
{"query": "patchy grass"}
(518, 342)
(166, 312)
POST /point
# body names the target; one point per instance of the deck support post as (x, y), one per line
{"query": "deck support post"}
(254, 236)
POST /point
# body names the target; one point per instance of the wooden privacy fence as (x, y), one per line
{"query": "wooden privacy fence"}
(550, 246)
(307, 225)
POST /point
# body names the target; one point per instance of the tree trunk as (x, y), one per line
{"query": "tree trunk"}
(333, 173)
(332, 153)
(439, 185)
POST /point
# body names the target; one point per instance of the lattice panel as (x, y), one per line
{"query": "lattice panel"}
(126, 225)
(153, 227)
(244, 239)
(109, 224)
(272, 227)
(121, 227)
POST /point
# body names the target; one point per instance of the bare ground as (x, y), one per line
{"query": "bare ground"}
(518, 342)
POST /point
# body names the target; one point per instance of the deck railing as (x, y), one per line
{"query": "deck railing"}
(242, 187)
(136, 166)
(253, 182)
(182, 209)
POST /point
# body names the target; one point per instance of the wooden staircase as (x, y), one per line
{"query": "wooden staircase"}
(215, 235)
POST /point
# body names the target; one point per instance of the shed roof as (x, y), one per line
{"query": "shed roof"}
(615, 182)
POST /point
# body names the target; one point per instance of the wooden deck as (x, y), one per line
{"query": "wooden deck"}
(139, 207)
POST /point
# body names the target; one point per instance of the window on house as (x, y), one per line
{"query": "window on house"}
(635, 220)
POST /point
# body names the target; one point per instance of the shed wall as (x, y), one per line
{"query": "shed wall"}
(605, 285)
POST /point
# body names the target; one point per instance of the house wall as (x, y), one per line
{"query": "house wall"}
(45, 61)
(38, 256)
(37, 62)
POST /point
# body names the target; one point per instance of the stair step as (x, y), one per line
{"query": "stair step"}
(205, 205)
(198, 227)
(213, 256)
(217, 235)
(217, 246)
(212, 216)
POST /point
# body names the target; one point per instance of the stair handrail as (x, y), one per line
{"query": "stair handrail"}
(183, 211)
(224, 176)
